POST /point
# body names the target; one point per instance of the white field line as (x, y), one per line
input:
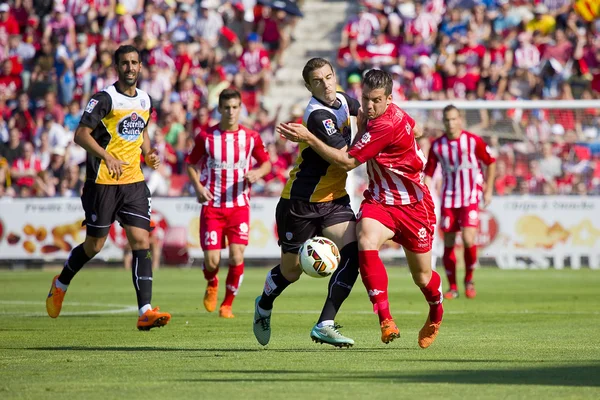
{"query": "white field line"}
(121, 309)
(114, 309)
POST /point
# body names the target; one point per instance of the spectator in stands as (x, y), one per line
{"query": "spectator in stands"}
(13, 149)
(255, 66)
(24, 171)
(550, 165)
(209, 23)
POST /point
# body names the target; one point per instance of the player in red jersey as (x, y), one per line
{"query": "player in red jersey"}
(224, 155)
(397, 204)
(460, 154)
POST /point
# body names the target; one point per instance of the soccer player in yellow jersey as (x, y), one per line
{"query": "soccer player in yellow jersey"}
(314, 202)
(113, 132)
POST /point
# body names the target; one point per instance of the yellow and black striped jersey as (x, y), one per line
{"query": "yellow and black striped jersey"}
(118, 121)
(312, 178)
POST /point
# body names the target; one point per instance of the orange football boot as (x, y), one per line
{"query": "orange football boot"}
(225, 312)
(55, 299)
(389, 331)
(470, 291)
(153, 319)
(210, 298)
(428, 333)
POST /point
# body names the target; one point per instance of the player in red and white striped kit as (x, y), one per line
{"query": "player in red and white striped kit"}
(224, 154)
(460, 155)
(397, 204)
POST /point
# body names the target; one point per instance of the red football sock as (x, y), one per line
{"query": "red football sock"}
(235, 276)
(433, 295)
(449, 259)
(470, 262)
(211, 276)
(375, 279)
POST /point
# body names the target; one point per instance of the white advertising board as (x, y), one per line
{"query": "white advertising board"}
(517, 232)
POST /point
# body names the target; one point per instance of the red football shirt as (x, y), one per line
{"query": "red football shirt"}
(224, 158)
(394, 160)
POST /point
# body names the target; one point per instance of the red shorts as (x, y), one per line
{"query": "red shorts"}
(413, 224)
(454, 219)
(218, 223)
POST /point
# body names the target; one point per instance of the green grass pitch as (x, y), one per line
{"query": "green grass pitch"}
(528, 334)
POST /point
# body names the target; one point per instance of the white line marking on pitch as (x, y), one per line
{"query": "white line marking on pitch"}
(118, 309)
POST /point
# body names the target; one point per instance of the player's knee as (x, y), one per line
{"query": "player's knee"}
(211, 261)
(468, 240)
(367, 242)
(290, 267)
(92, 245)
(236, 258)
(421, 279)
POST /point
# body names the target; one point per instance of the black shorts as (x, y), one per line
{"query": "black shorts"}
(130, 204)
(298, 220)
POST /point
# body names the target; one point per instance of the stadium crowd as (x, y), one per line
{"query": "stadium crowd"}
(493, 50)
(54, 55)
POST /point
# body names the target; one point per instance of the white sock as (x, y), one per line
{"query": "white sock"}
(61, 285)
(264, 313)
(144, 309)
(322, 324)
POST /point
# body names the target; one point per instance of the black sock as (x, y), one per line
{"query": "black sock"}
(275, 284)
(341, 282)
(141, 272)
(76, 261)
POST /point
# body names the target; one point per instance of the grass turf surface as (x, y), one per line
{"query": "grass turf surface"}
(527, 334)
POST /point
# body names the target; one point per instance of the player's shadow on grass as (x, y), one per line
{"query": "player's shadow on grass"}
(567, 375)
(210, 350)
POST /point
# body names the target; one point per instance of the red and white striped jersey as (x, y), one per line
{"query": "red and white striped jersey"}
(394, 160)
(460, 161)
(527, 56)
(255, 61)
(224, 158)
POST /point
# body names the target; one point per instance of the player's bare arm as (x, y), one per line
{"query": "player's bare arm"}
(417, 131)
(489, 184)
(151, 157)
(202, 193)
(255, 174)
(83, 137)
(338, 157)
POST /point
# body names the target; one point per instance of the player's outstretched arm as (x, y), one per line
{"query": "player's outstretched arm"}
(83, 137)
(338, 157)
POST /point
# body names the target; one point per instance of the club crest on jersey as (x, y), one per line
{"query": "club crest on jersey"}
(143, 103)
(329, 127)
(90, 106)
(131, 127)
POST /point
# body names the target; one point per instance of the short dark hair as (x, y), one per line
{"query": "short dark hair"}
(126, 49)
(378, 79)
(229, 94)
(311, 65)
(448, 108)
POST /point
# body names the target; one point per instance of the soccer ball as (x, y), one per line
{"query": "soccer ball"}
(319, 257)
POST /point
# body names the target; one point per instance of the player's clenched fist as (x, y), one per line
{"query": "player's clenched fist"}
(152, 159)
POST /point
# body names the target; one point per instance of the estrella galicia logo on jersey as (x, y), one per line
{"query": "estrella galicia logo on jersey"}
(131, 127)
(329, 126)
